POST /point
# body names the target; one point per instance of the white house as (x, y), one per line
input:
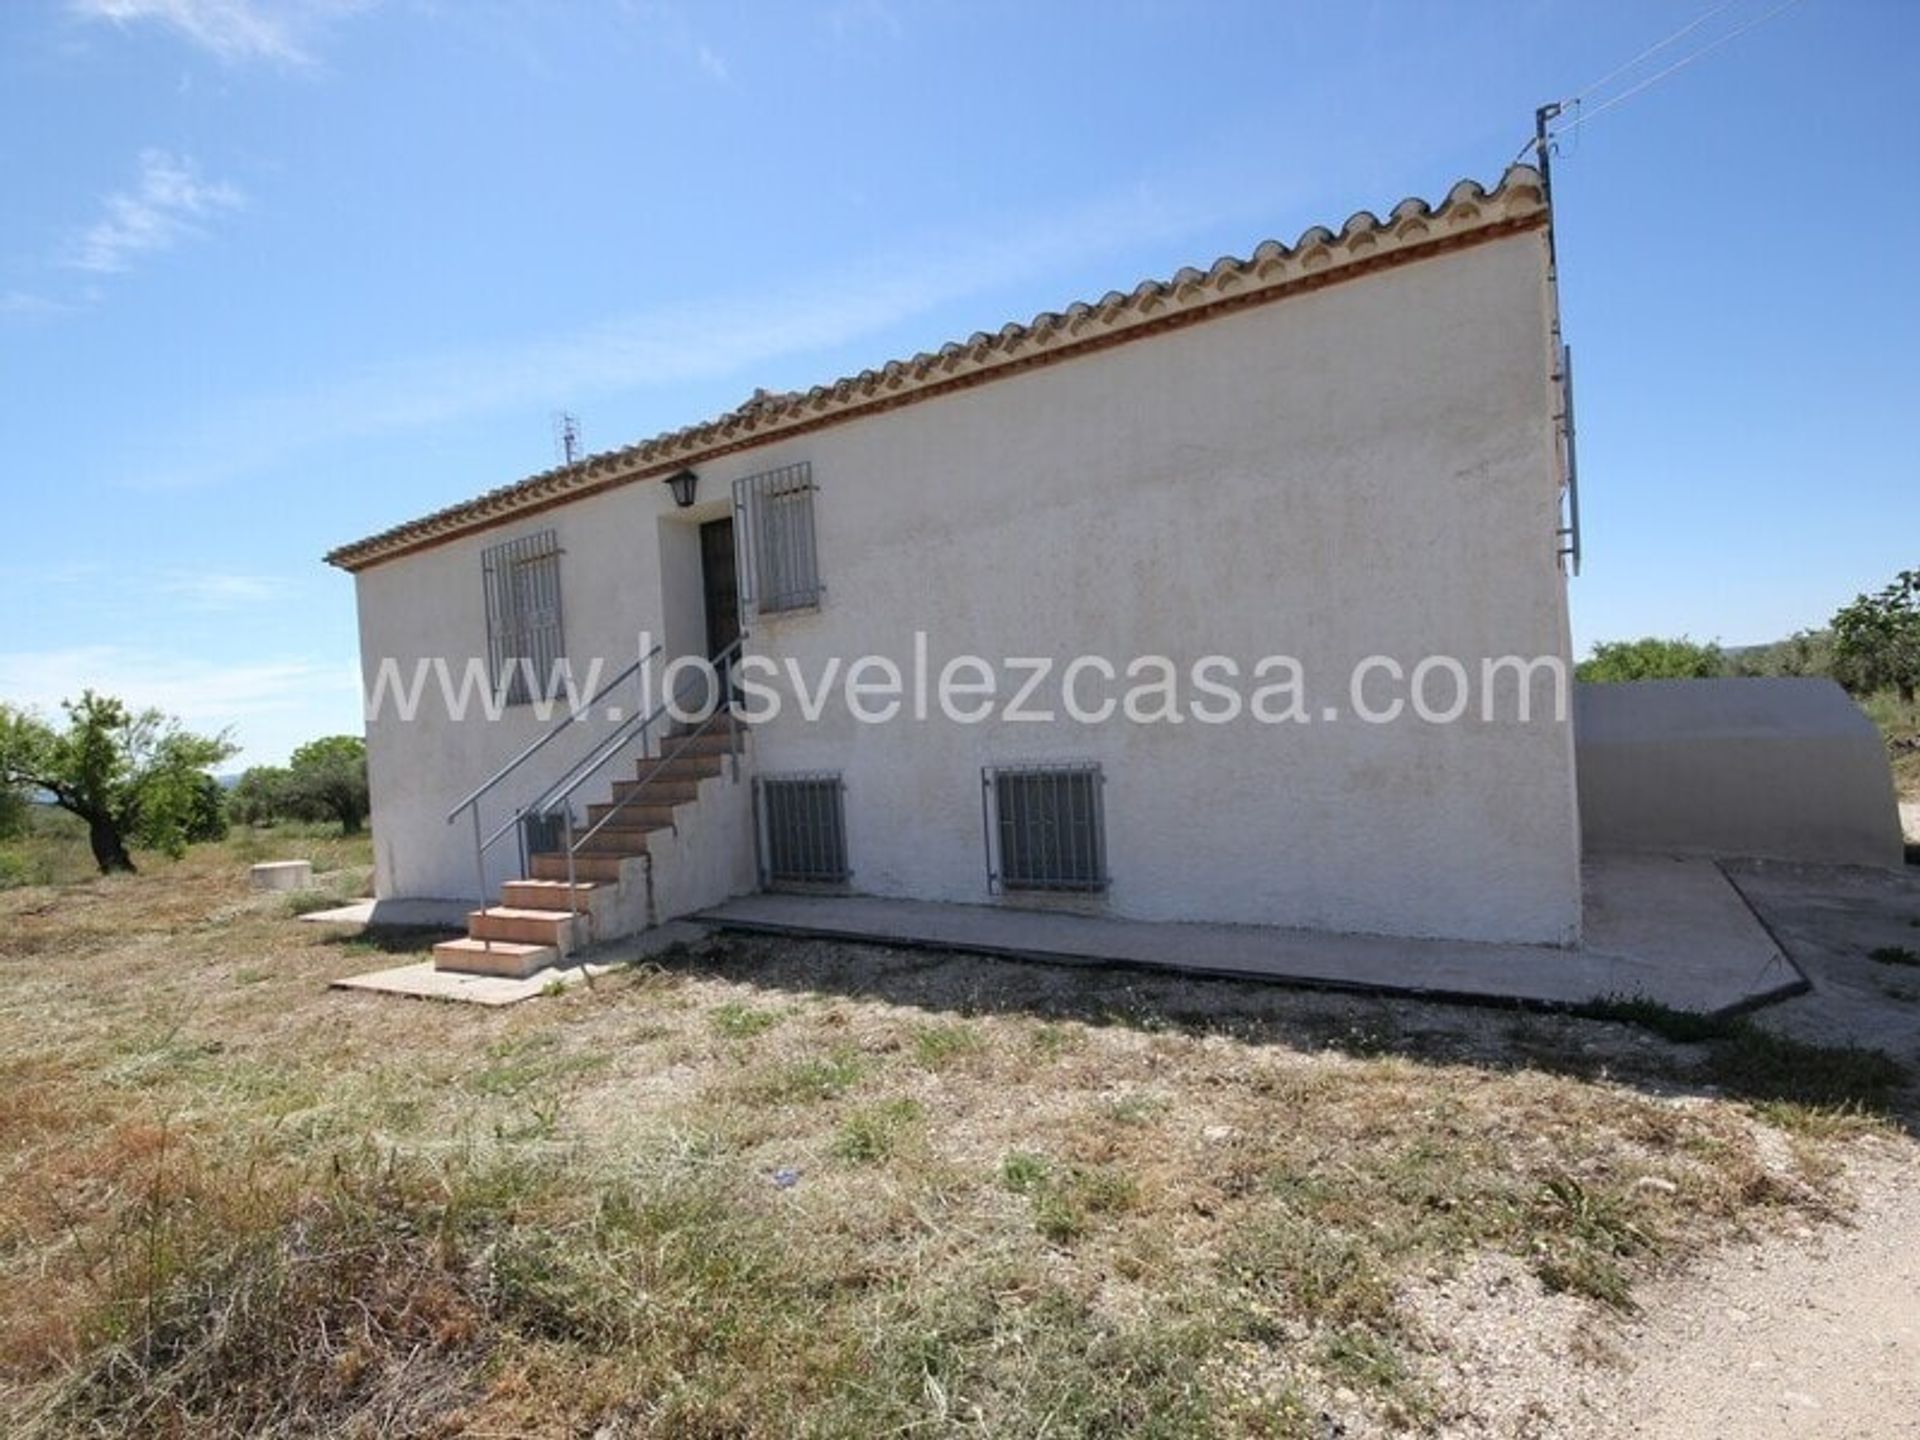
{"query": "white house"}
(1336, 468)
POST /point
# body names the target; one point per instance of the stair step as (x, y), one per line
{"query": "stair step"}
(696, 767)
(524, 926)
(632, 817)
(493, 957)
(715, 742)
(634, 813)
(621, 840)
(675, 791)
(545, 895)
(597, 867)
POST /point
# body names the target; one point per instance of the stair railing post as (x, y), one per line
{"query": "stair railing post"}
(573, 892)
(479, 859)
(733, 740)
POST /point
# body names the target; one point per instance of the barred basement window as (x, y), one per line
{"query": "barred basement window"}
(779, 566)
(1046, 826)
(524, 644)
(803, 829)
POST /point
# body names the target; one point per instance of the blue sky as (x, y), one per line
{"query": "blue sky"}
(274, 276)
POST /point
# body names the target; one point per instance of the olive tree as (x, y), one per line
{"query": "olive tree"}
(327, 780)
(134, 777)
(1876, 639)
(261, 796)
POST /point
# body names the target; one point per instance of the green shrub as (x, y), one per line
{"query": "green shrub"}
(1652, 658)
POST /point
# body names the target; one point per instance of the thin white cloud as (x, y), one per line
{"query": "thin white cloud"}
(846, 18)
(43, 573)
(236, 31)
(269, 705)
(27, 303)
(169, 203)
(211, 590)
(666, 25)
(744, 334)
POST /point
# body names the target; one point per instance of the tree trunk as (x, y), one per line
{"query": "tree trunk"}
(109, 851)
(1906, 692)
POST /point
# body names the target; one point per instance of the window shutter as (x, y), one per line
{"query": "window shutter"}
(522, 583)
(779, 560)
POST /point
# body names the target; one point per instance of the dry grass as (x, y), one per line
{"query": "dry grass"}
(773, 1187)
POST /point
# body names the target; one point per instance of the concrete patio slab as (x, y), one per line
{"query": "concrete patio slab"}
(1668, 929)
(421, 981)
(1834, 920)
(395, 914)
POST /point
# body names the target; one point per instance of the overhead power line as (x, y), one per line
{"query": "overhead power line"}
(1577, 105)
(1684, 61)
(1652, 50)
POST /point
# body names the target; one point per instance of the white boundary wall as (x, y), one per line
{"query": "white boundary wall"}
(1786, 769)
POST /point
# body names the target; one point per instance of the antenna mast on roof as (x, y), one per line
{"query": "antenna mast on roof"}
(566, 437)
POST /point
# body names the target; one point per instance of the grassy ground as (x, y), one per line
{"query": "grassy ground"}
(1901, 725)
(779, 1188)
(54, 851)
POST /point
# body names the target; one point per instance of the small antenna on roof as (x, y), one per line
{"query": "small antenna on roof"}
(566, 437)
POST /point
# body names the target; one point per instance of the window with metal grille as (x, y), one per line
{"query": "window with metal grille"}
(803, 829)
(1046, 826)
(522, 579)
(779, 566)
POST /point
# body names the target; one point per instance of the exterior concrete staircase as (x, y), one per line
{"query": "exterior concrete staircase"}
(538, 922)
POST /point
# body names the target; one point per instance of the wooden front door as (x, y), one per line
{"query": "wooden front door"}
(720, 584)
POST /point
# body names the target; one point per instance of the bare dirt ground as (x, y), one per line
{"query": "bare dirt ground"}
(1810, 1331)
(1815, 1332)
(1808, 1334)
(1811, 1335)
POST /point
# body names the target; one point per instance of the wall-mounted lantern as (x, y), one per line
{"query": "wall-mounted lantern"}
(682, 486)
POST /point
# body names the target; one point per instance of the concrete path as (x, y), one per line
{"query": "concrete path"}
(1672, 930)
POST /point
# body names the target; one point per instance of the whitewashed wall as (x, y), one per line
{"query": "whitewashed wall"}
(1363, 470)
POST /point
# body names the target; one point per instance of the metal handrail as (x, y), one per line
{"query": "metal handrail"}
(722, 666)
(471, 803)
(539, 804)
(545, 803)
(574, 712)
(577, 774)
